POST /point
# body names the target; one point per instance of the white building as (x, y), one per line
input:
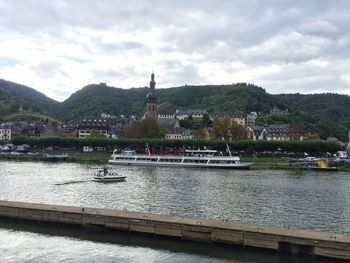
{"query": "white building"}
(5, 134)
(100, 126)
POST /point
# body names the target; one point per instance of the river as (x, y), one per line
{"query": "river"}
(298, 199)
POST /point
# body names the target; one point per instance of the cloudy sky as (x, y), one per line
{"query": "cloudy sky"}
(284, 46)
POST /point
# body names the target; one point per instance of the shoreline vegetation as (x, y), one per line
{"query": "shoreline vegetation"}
(262, 153)
(101, 158)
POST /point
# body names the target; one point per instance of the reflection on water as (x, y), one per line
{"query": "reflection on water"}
(297, 199)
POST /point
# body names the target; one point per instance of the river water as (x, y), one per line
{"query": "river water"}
(307, 200)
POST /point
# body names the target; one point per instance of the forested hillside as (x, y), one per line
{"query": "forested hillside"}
(92, 100)
(324, 114)
(13, 95)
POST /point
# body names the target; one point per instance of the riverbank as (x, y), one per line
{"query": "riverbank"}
(101, 158)
(75, 157)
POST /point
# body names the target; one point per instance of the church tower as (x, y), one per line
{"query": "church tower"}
(152, 104)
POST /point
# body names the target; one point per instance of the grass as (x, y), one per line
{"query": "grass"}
(28, 115)
(89, 157)
(259, 163)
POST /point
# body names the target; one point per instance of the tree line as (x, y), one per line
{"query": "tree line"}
(248, 146)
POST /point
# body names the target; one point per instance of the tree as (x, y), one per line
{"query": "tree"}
(314, 136)
(226, 128)
(206, 120)
(237, 131)
(96, 134)
(150, 128)
(186, 123)
(221, 127)
(146, 128)
(132, 130)
(201, 134)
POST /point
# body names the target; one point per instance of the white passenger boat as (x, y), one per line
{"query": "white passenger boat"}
(191, 158)
(103, 175)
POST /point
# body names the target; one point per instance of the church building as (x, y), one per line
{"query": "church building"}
(152, 102)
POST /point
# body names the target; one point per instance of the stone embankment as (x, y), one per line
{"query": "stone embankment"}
(296, 241)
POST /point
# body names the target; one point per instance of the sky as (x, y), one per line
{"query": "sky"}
(284, 46)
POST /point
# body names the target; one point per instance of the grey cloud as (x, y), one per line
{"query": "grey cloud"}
(307, 78)
(176, 73)
(116, 46)
(254, 33)
(48, 69)
(291, 47)
(319, 27)
(121, 74)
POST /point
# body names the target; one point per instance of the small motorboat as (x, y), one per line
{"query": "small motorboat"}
(103, 175)
(323, 165)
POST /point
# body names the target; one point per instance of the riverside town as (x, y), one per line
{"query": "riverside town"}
(175, 131)
(156, 132)
(187, 140)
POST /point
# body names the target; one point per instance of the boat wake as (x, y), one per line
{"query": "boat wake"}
(73, 182)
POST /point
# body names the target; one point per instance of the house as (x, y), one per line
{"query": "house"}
(28, 128)
(101, 126)
(179, 134)
(69, 130)
(5, 133)
(281, 132)
(237, 116)
(173, 130)
(88, 149)
(50, 129)
(250, 118)
(196, 115)
(278, 112)
(256, 132)
(165, 114)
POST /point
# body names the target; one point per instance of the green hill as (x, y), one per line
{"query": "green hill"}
(235, 97)
(13, 96)
(92, 100)
(27, 115)
(325, 114)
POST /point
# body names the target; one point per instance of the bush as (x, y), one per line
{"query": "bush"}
(310, 146)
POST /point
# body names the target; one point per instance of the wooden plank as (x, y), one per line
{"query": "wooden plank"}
(168, 229)
(118, 223)
(332, 253)
(332, 244)
(296, 240)
(50, 216)
(227, 236)
(196, 233)
(90, 219)
(261, 240)
(144, 226)
(9, 211)
(70, 218)
(30, 214)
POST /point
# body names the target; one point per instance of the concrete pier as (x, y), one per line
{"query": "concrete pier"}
(296, 241)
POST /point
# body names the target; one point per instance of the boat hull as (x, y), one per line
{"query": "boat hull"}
(109, 179)
(242, 166)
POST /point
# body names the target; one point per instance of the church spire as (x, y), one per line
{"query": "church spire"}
(152, 105)
(152, 84)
